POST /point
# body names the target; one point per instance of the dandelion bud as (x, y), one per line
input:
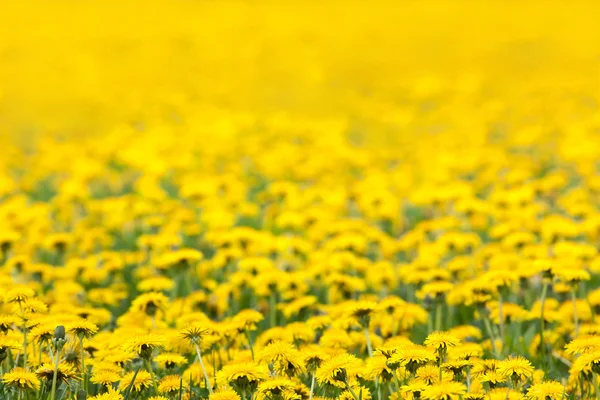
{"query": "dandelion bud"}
(59, 339)
(59, 333)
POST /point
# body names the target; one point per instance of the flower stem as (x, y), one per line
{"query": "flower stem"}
(24, 336)
(55, 374)
(130, 387)
(438, 317)
(429, 323)
(83, 372)
(488, 327)
(542, 321)
(500, 318)
(575, 318)
(249, 343)
(312, 386)
(352, 392)
(596, 386)
(273, 309)
(397, 380)
(369, 347)
(468, 379)
(208, 384)
(149, 368)
(180, 388)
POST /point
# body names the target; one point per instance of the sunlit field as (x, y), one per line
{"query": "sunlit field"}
(299, 200)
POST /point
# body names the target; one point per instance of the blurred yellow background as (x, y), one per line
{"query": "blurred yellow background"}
(67, 63)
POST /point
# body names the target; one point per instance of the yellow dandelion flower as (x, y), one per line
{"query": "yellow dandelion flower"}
(276, 388)
(7, 322)
(150, 303)
(411, 357)
(111, 395)
(515, 368)
(414, 388)
(338, 369)
(441, 341)
(285, 357)
(21, 379)
(18, 294)
(224, 394)
(65, 372)
(549, 390)
(247, 319)
(171, 384)
(242, 376)
(362, 311)
(142, 381)
(82, 328)
(444, 391)
(170, 360)
(144, 345)
(6, 345)
(195, 333)
(105, 377)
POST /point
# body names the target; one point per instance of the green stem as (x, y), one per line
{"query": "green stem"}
(312, 386)
(542, 321)
(429, 323)
(596, 386)
(40, 392)
(208, 384)
(468, 379)
(273, 309)
(575, 318)
(369, 348)
(438, 317)
(249, 343)
(352, 392)
(214, 365)
(488, 327)
(130, 387)
(397, 381)
(500, 318)
(180, 388)
(55, 374)
(149, 368)
(83, 372)
(24, 337)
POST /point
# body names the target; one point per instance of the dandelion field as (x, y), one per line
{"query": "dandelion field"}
(239, 200)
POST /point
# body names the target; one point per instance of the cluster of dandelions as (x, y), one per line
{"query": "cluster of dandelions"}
(354, 349)
(255, 286)
(258, 287)
(417, 238)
